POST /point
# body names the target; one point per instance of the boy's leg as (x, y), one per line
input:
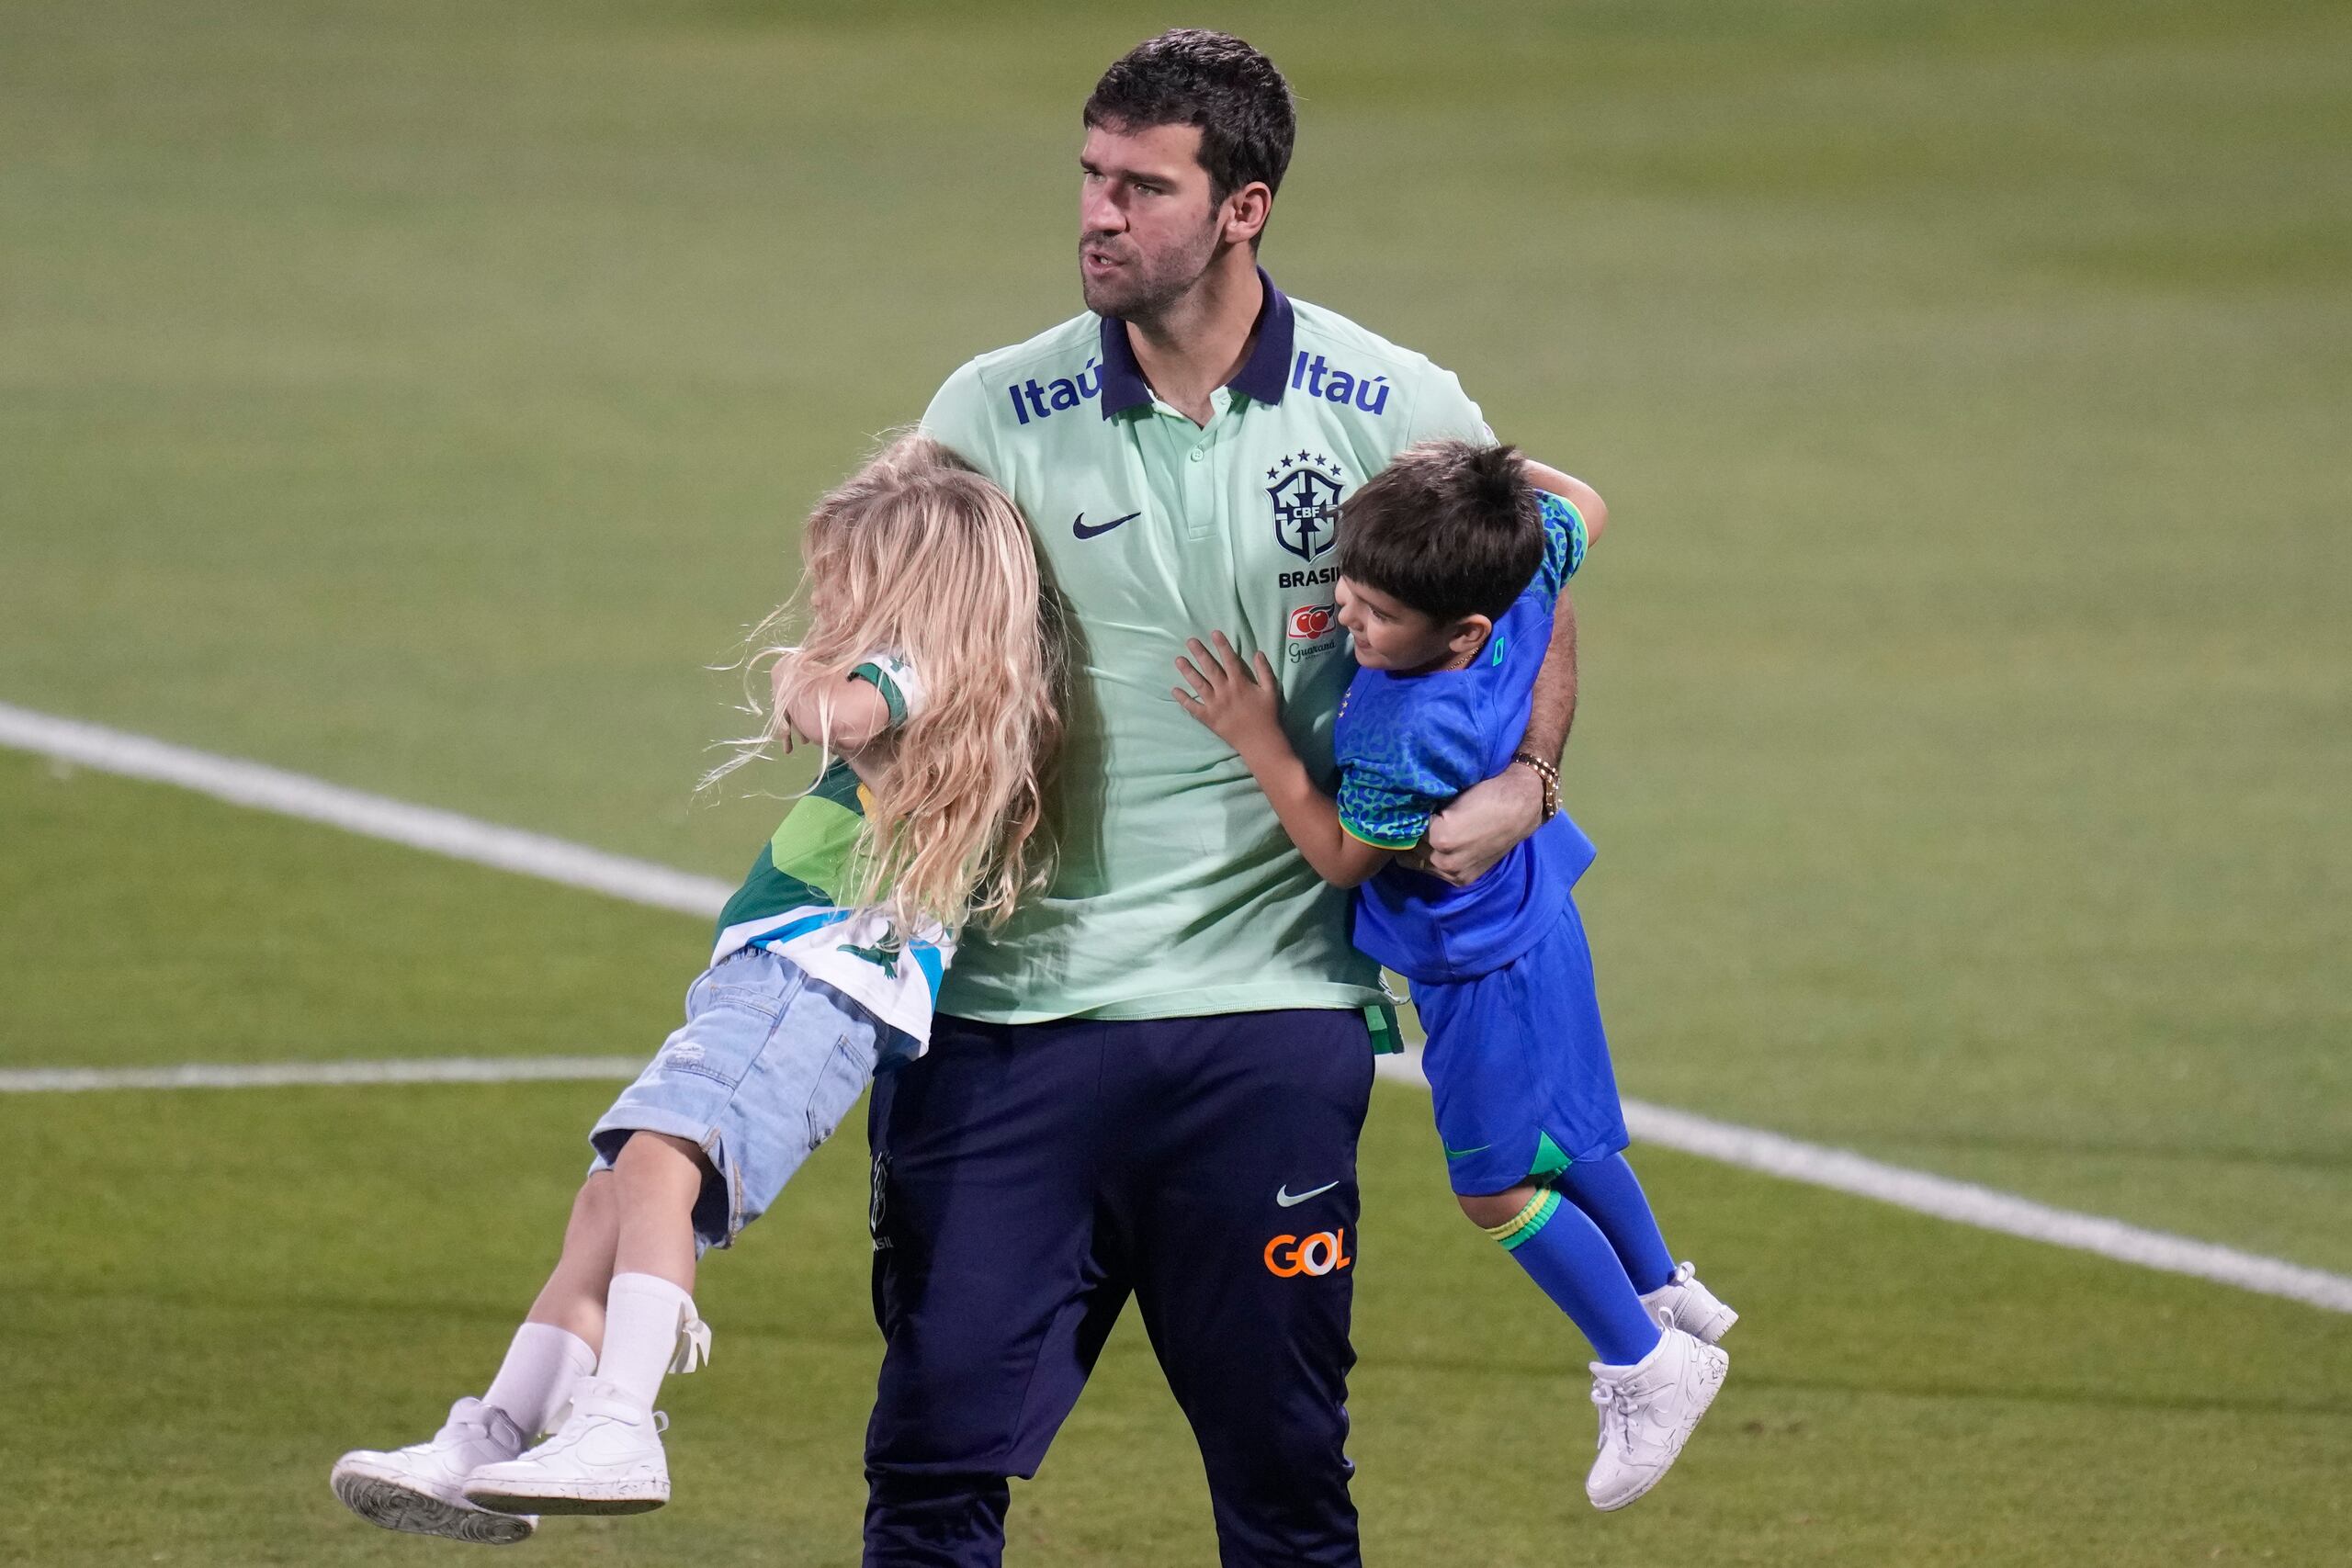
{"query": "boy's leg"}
(1611, 1195)
(1653, 1382)
(1236, 1183)
(1524, 1094)
(1606, 1190)
(1569, 1258)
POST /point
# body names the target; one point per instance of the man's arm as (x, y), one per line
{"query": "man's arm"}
(1244, 711)
(1480, 828)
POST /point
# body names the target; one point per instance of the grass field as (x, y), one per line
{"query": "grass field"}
(422, 396)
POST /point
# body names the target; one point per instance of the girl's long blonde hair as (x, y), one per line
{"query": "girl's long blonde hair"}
(918, 556)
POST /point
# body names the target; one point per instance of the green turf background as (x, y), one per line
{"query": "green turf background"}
(210, 1294)
(422, 395)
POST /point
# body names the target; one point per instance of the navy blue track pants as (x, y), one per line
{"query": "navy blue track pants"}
(1029, 1179)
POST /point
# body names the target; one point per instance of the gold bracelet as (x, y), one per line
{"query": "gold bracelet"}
(1549, 776)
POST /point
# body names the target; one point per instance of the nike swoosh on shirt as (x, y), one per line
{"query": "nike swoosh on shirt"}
(1285, 1197)
(1080, 528)
(1466, 1154)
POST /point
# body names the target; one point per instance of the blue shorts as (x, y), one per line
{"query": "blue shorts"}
(1519, 1067)
(770, 1060)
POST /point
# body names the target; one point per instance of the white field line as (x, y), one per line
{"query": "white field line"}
(356, 811)
(641, 882)
(1964, 1203)
(285, 1075)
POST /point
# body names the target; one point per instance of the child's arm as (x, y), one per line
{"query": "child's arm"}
(1244, 709)
(1576, 492)
(851, 714)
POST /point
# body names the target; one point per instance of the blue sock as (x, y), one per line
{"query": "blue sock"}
(1607, 1191)
(1565, 1253)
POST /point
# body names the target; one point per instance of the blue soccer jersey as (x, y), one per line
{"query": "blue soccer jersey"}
(1408, 744)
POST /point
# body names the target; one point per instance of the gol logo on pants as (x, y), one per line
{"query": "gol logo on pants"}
(1317, 1254)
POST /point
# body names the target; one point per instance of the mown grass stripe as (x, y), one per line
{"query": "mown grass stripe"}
(554, 859)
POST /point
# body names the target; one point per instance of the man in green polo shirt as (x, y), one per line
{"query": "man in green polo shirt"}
(1151, 1082)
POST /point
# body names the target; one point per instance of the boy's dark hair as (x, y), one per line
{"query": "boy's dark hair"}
(1451, 528)
(1213, 81)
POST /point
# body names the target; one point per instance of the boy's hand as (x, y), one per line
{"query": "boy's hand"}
(1240, 703)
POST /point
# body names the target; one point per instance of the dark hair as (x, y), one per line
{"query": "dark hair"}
(1451, 528)
(1213, 81)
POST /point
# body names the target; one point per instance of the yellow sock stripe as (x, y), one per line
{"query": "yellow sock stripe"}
(1520, 1228)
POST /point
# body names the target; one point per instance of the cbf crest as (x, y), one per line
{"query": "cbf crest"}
(1306, 493)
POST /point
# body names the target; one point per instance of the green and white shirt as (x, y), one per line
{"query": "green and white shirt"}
(1176, 892)
(790, 905)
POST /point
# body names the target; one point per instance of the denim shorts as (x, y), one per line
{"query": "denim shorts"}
(768, 1062)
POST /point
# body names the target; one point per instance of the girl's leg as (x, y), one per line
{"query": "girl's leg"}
(556, 1346)
(1609, 1194)
(1567, 1256)
(573, 1297)
(657, 1179)
(607, 1457)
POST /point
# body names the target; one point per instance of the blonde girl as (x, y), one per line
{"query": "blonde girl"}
(926, 677)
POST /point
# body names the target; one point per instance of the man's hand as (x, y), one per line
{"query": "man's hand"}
(1239, 703)
(1468, 836)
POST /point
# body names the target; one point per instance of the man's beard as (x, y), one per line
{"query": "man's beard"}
(1144, 288)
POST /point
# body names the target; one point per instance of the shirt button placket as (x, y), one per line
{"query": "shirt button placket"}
(1200, 510)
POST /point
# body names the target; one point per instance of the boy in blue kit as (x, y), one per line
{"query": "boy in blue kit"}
(1451, 563)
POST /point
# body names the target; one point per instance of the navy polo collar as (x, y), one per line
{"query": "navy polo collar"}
(1263, 377)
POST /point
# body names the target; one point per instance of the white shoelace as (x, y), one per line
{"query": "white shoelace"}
(1606, 1398)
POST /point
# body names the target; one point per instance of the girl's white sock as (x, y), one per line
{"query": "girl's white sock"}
(536, 1379)
(643, 1314)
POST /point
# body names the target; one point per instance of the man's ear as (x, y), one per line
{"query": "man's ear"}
(1466, 634)
(1245, 211)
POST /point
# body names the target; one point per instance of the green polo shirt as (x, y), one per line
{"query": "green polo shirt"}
(1176, 892)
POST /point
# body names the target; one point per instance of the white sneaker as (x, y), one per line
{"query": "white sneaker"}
(419, 1488)
(605, 1459)
(1682, 1302)
(1647, 1412)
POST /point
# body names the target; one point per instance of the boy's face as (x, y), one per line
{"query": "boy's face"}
(1391, 635)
